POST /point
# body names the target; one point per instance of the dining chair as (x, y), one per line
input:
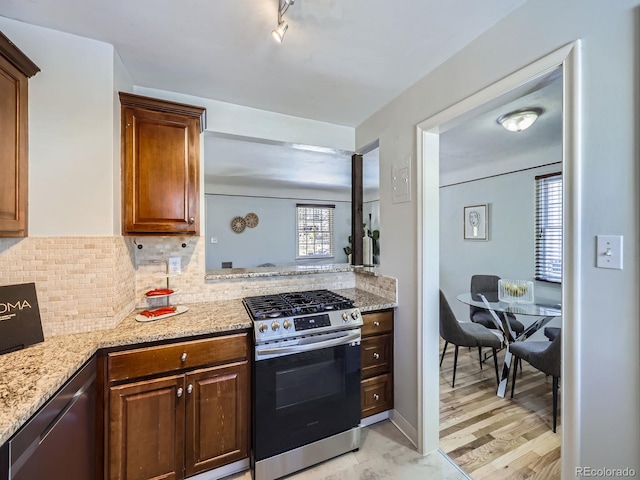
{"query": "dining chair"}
(551, 332)
(544, 356)
(465, 335)
(488, 286)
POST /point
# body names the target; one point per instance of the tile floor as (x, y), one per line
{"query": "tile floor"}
(385, 454)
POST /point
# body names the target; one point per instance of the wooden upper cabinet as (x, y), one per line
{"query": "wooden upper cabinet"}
(160, 166)
(15, 70)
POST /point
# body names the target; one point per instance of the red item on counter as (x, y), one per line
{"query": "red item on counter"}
(158, 312)
(158, 292)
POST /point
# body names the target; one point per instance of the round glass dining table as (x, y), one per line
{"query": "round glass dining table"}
(544, 308)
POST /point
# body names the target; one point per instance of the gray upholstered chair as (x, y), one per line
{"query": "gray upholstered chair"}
(546, 357)
(465, 335)
(487, 285)
(551, 332)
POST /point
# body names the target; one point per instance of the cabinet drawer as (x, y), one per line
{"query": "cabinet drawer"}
(375, 355)
(376, 395)
(377, 322)
(176, 356)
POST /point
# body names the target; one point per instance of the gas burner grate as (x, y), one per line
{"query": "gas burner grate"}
(295, 303)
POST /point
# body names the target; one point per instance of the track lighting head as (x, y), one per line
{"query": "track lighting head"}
(278, 33)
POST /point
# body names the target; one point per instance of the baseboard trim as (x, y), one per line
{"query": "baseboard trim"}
(224, 471)
(378, 417)
(404, 426)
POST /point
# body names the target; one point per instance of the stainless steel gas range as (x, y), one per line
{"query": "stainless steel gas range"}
(306, 380)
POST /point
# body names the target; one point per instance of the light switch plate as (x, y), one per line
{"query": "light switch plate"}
(401, 181)
(609, 251)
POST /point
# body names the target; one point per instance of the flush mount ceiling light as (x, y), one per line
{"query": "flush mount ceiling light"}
(281, 29)
(520, 119)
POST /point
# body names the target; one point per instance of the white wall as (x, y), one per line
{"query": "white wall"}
(71, 137)
(510, 250)
(121, 83)
(250, 122)
(273, 240)
(609, 380)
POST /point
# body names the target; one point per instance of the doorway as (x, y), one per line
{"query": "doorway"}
(428, 143)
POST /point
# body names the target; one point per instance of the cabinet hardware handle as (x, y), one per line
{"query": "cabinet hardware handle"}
(376, 397)
(184, 357)
(192, 220)
(179, 392)
(376, 324)
(190, 388)
(376, 355)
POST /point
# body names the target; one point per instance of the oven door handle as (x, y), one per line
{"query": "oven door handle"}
(345, 339)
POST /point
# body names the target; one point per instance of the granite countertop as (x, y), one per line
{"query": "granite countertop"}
(276, 271)
(29, 377)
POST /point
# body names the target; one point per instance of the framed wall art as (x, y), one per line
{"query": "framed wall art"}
(476, 221)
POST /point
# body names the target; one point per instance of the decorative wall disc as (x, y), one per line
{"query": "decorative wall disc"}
(238, 224)
(251, 220)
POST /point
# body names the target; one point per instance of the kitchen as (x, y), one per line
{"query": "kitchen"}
(80, 103)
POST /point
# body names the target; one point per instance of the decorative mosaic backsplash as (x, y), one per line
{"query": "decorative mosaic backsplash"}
(190, 285)
(82, 283)
(92, 283)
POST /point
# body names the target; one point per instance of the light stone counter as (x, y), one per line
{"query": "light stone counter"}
(276, 271)
(29, 377)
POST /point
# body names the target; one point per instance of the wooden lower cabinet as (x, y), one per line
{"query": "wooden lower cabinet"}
(376, 395)
(376, 359)
(146, 429)
(217, 423)
(177, 425)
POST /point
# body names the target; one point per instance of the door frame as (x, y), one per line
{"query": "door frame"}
(427, 148)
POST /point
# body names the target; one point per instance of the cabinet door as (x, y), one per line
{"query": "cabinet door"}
(13, 151)
(161, 172)
(146, 430)
(217, 425)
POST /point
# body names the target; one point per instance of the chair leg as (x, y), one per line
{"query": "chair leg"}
(443, 351)
(480, 356)
(555, 402)
(513, 380)
(495, 364)
(455, 364)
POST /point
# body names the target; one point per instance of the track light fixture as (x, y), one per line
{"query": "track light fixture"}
(520, 119)
(281, 29)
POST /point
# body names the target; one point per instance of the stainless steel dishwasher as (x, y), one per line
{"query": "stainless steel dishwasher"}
(58, 442)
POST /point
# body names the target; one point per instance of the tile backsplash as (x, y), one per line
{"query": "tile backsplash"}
(82, 283)
(93, 283)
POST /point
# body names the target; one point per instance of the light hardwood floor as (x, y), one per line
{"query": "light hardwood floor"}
(497, 438)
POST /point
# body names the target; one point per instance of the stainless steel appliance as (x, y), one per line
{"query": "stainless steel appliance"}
(306, 381)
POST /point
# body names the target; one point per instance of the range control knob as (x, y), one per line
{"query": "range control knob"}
(263, 327)
(286, 324)
(355, 314)
(345, 316)
(275, 326)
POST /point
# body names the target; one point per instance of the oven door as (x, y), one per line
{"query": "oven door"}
(303, 397)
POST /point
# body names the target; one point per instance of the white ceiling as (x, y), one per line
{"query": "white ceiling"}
(471, 139)
(341, 60)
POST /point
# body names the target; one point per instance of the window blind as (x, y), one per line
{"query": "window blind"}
(548, 244)
(314, 230)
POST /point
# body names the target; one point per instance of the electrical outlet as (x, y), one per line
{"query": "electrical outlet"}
(174, 266)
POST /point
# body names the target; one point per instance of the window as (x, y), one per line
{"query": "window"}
(315, 230)
(549, 228)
